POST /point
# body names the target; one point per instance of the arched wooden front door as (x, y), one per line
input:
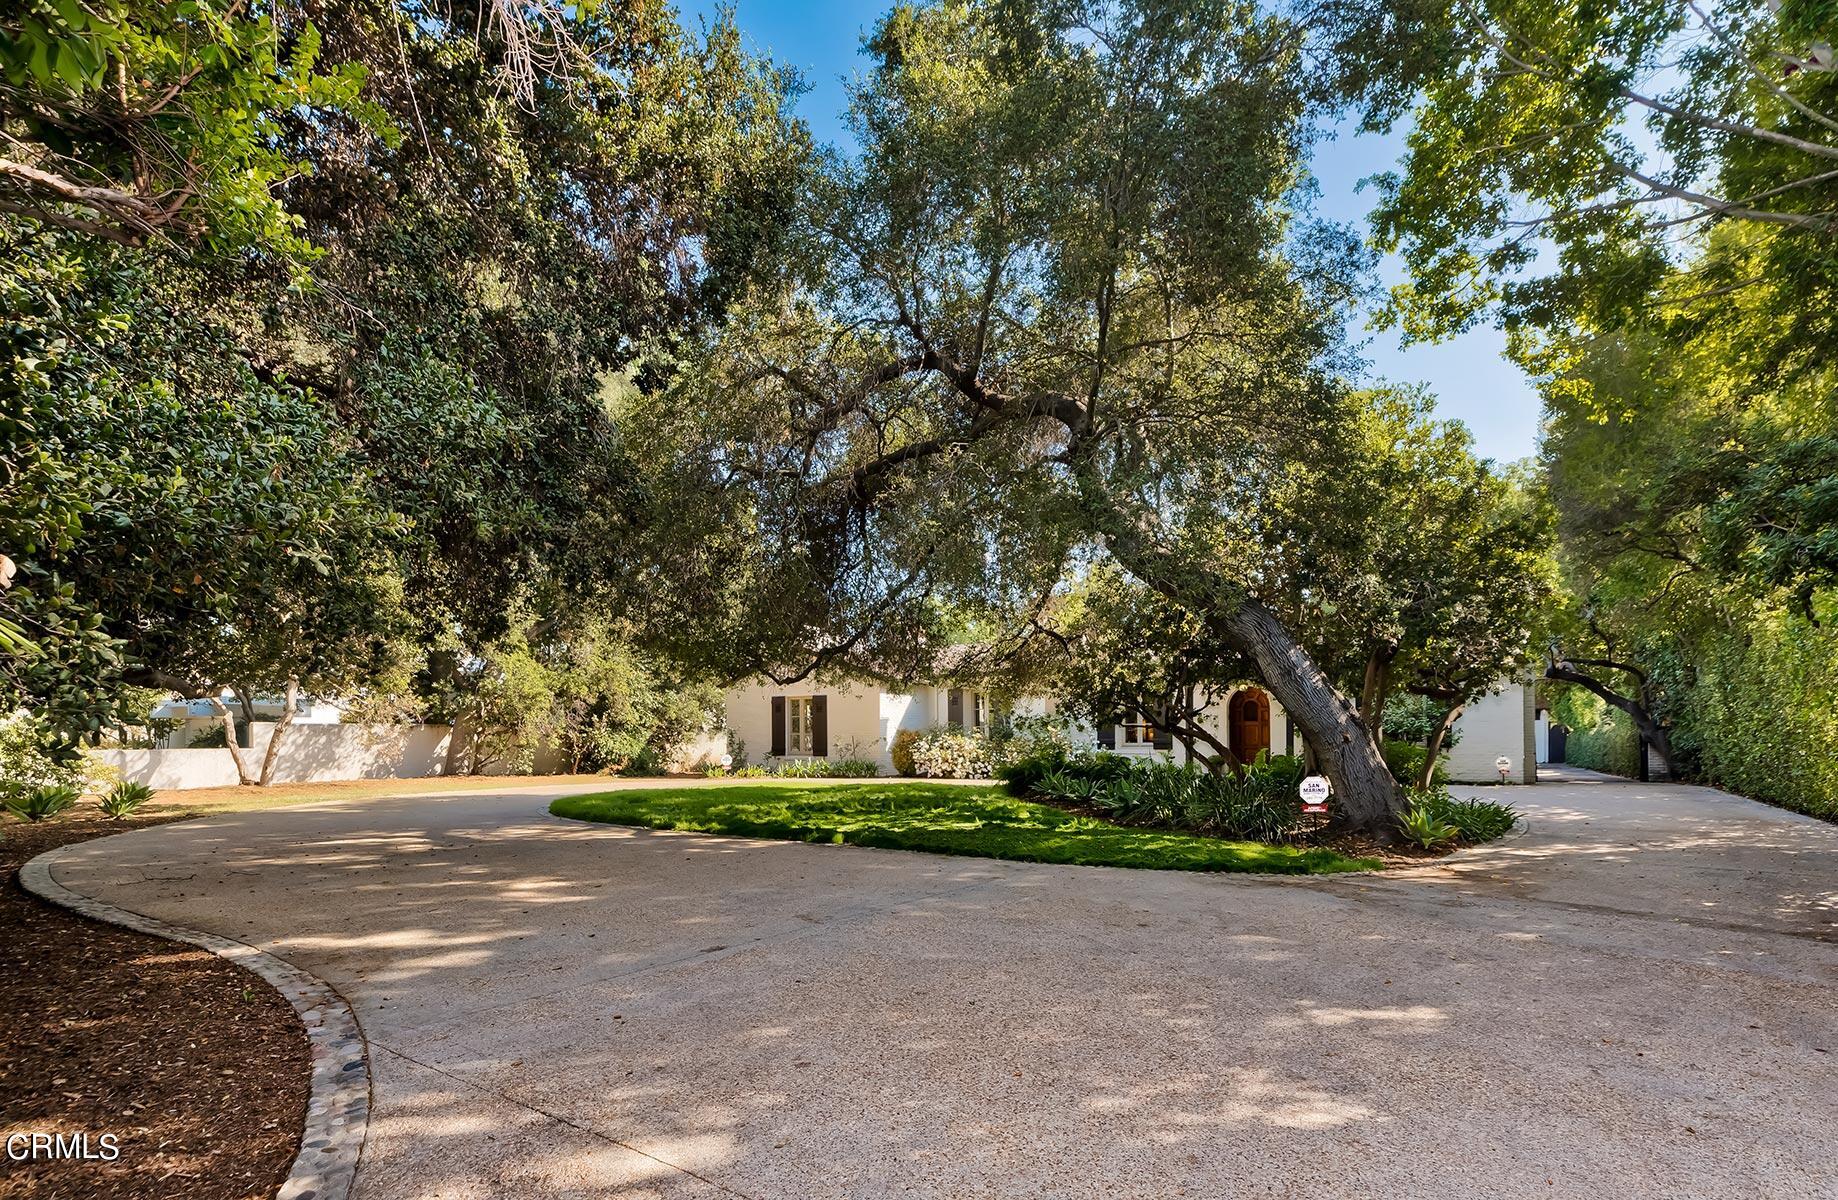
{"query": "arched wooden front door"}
(1249, 717)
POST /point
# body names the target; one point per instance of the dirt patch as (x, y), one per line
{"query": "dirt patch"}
(198, 1068)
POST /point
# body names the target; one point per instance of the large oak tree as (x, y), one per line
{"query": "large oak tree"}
(1059, 305)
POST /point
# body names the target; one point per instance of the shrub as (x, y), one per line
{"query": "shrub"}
(124, 798)
(1405, 759)
(1061, 787)
(1410, 718)
(26, 763)
(45, 800)
(825, 768)
(1481, 820)
(950, 754)
(1100, 766)
(1260, 805)
(212, 737)
(1022, 775)
(649, 761)
(1476, 821)
(902, 751)
(1434, 813)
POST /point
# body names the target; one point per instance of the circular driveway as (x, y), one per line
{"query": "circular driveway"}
(1637, 996)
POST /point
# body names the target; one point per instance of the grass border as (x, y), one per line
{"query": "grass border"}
(952, 819)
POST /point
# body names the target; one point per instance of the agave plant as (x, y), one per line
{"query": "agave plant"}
(38, 803)
(124, 798)
(1422, 824)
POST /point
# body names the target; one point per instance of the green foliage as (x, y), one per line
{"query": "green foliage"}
(211, 737)
(1422, 824)
(25, 763)
(1260, 803)
(167, 117)
(206, 524)
(825, 768)
(1524, 130)
(124, 799)
(1477, 821)
(1405, 761)
(1682, 333)
(585, 692)
(1023, 773)
(1434, 818)
(1757, 712)
(1411, 718)
(41, 802)
(940, 819)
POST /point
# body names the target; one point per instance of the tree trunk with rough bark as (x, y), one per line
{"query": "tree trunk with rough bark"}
(1438, 736)
(1376, 690)
(281, 726)
(223, 713)
(1365, 792)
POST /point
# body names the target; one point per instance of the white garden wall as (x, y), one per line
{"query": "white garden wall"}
(309, 754)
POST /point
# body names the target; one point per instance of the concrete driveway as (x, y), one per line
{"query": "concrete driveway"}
(1636, 997)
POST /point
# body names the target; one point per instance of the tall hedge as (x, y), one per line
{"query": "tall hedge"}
(1608, 744)
(1753, 707)
(1761, 717)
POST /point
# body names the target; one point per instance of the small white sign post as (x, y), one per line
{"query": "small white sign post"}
(1504, 766)
(1315, 791)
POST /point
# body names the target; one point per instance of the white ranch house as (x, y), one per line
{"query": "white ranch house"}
(858, 719)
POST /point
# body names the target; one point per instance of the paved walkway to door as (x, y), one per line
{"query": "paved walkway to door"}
(1635, 997)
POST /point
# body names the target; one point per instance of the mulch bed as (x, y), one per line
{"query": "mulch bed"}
(198, 1068)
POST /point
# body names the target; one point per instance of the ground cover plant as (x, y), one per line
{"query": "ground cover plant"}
(1433, 818)
(824, 768)
(1259, 802)
(941, 818)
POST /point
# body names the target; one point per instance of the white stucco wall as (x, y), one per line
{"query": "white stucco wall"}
(1501, 722)
(309, 754)
(858, 727)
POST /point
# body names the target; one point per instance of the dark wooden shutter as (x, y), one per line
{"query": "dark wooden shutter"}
(778, 726)
(820, 726)
(1107, 735)
(954, 707)
(1164, 737)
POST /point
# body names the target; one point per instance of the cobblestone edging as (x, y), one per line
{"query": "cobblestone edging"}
(338, 1106)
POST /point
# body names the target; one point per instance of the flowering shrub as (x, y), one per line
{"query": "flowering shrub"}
(1018, 738)
(950, 754)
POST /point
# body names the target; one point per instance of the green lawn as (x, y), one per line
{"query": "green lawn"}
(943, 818)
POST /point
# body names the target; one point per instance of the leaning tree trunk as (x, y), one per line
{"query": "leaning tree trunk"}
(1651, 732)
(243, 777)
(281, 725)
(1367, 794)
(1438, 736)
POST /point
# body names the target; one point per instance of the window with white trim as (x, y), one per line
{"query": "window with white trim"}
(1138, 731)
(798, 735)
(979, 710)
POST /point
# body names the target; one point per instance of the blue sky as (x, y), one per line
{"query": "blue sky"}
(1467, 375)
